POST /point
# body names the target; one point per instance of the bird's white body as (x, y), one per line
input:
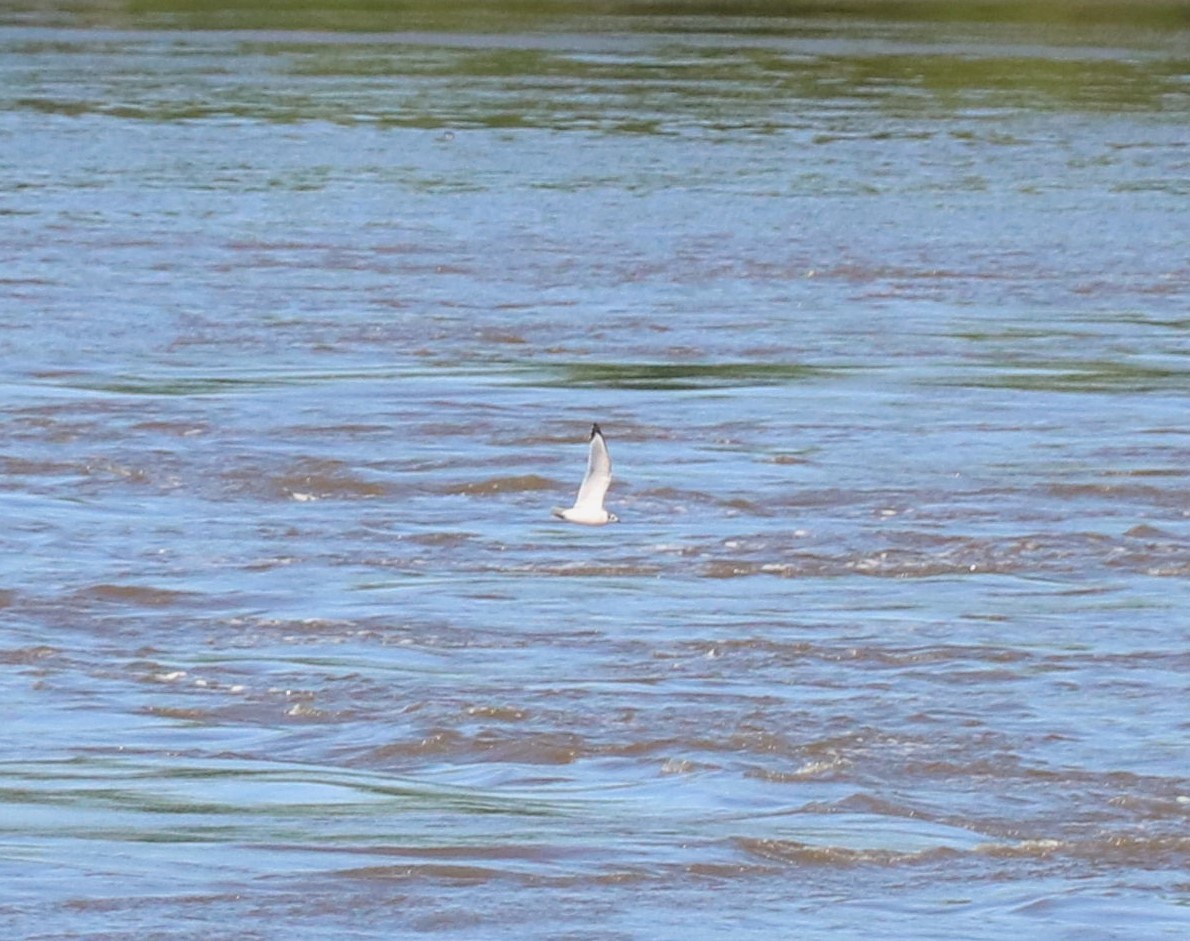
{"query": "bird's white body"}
(588, 505)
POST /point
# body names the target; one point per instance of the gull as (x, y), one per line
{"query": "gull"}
(588, 505)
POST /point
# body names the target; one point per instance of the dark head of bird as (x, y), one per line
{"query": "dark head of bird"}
(596, 430)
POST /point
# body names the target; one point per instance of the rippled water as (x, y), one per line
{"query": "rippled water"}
(303, 333)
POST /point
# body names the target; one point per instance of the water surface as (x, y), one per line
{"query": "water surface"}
(303, 332)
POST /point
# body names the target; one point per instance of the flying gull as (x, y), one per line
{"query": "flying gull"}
(588, 505)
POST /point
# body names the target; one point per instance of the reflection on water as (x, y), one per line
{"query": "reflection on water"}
(884, 319)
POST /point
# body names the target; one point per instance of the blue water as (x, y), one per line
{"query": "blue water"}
(303, 335)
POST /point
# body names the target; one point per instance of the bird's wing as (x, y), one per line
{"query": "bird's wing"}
(599, 474)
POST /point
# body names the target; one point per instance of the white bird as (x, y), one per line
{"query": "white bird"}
(588, 505)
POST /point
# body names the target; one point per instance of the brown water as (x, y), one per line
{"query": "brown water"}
(303, 333)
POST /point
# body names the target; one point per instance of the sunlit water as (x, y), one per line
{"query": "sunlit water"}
(302, 336)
